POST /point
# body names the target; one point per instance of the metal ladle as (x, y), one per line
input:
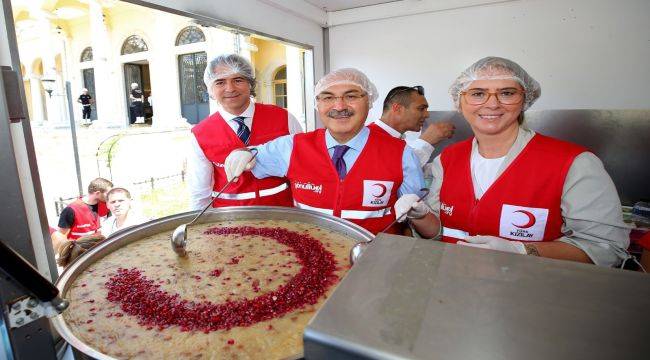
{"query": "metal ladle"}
(179, 236)
(358, 249)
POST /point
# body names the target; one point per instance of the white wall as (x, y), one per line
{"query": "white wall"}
(585, 53)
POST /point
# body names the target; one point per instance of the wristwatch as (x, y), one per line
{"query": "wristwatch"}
(531, 249)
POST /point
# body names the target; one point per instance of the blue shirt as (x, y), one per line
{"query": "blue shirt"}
(273, 159)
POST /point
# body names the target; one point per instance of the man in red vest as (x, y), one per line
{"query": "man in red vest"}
(344, 170)
(239, 122)
(405, 109)
(81, 218)
(511, 189)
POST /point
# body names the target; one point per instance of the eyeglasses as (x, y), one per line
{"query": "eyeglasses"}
(347, 98)
(509, 96)
(418, 88)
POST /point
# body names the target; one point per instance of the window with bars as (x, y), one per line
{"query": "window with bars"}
(190, 35)
(280, 87)
(134, 44)
(87, 54)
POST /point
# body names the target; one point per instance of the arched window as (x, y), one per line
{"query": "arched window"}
(133, 44)
(190, 35)
(87, 54)
(280, 87)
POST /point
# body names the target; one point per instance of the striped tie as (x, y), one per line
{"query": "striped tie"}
(243, 132)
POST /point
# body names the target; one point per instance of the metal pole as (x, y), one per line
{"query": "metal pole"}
(73, 130)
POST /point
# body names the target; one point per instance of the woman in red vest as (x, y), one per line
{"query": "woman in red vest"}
(510, 189)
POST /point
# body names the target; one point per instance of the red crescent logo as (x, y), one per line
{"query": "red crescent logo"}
(382, 190)
(531, 219)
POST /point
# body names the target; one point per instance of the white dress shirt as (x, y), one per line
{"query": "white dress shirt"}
(421, 148)
(109, 225)
(200, 169)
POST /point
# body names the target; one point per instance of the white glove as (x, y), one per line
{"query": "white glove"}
(494, 243)
(237, 162)
(410, 204)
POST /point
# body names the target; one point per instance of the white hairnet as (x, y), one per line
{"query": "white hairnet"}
(496, 68)
(226, 65)
(134, 85)
(347, 76)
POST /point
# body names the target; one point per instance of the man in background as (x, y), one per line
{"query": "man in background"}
(118, 201)
(137, 104)
(405, 109)
(85, 100)
(81, 217)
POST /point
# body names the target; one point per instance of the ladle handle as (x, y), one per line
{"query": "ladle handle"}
(424, 192)
(254, 151)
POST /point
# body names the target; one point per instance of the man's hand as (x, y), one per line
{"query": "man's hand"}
(58, 238)
(494, 243)
(410, 204)
(237, 162)
(437, 132)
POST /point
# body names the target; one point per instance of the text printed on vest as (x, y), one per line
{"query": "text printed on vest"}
(448, 210)
(522, 223)
(308, 186)
(376, 193)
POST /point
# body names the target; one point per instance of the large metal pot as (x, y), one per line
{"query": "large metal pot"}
(169, 223)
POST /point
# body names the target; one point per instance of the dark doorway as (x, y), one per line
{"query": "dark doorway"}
(194, 95)
(138, 73)
(89, 83)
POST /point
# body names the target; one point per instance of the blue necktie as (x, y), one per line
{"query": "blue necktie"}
(337, 159)
(243, 132)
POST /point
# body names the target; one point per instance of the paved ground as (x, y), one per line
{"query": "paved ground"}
(137, 154)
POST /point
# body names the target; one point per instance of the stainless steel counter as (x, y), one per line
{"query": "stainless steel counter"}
(409, 298)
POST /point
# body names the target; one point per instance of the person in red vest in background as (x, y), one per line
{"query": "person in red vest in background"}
(644, 242)
(511, 189)
(344, 170)
(81, 217)
(239, 122)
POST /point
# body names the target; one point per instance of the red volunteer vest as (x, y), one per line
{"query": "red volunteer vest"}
(86, 222)
(377, 129)
(523, 204)
(217, 140)
(367, 193)
(102, 209)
